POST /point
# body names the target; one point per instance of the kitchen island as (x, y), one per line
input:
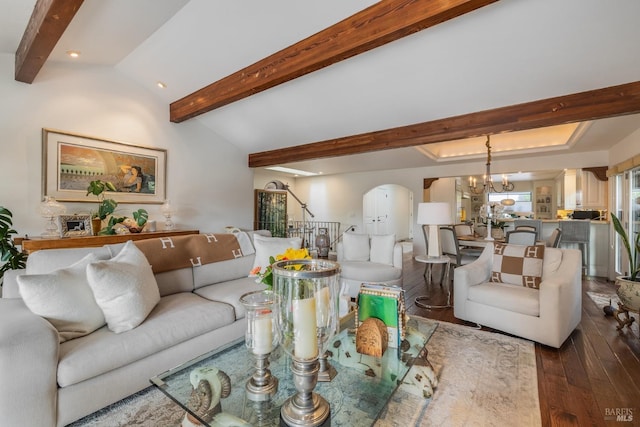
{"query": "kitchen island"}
(598, 242)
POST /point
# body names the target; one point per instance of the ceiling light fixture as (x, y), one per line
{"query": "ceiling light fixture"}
(73, 53)
(291, 171)
(161, 85)
(488, 186)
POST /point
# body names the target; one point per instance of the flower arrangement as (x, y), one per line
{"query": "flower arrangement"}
(266, 277)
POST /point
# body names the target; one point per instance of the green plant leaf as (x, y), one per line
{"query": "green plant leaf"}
(141, 216)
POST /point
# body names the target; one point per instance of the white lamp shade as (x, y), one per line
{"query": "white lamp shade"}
(434, 213)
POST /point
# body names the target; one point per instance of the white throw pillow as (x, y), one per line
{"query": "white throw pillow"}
(270, 247)
(64, 298)
(382, 248)
(356, 247)
(124, 287)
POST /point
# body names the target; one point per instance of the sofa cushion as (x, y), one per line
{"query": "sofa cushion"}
(64, 298)
(45, 262)
(176, 319)
(222, 271)
(517, 264)
(230, 292)
(270, 247)
(366, 271)
(124, 288)
(356, 247)
(517, 299)
(382, 248)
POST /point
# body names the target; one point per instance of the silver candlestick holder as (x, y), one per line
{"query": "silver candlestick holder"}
(307, 320)
(261, 339)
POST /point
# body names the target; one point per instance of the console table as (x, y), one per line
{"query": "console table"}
(35, 244)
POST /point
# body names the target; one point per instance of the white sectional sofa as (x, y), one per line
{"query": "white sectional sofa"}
(47, 383)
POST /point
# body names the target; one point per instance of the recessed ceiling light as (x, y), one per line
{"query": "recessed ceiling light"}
(73, 53)
(161, 85)
(291, 171)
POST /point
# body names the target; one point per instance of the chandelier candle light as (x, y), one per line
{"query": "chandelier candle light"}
(307, 319)
(488, 187)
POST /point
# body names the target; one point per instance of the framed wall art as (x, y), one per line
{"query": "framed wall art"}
(75, 225)
(71, 161)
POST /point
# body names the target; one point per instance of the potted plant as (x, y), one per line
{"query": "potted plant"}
(105, 206)
(10, 256)
(628, 287)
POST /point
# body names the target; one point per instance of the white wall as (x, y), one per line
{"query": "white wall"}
(207, 178)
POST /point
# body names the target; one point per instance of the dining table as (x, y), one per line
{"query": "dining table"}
(476, 241)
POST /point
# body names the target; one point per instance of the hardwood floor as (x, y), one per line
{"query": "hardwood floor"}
(593, 377)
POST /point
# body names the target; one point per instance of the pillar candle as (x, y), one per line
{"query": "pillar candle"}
(322, 307)
(304, 328)
(262, 334)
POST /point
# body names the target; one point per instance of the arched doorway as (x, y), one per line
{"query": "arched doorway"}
(388, 209)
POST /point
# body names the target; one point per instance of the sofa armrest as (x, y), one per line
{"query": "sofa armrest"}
(28, 366)
(561, 293)
(397, 255)
(339, 252)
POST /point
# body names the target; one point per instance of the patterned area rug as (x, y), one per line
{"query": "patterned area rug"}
(485, 379)
(602, 300)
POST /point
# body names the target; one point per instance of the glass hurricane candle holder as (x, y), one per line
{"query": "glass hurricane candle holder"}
(307, 319)
(261, 338)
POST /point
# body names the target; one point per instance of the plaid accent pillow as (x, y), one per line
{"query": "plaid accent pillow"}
(517, 264)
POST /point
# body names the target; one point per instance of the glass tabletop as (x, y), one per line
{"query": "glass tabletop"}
(357, 394)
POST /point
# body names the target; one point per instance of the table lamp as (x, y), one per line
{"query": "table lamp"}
(434, 214)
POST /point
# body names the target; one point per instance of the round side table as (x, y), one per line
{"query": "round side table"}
(430, 261)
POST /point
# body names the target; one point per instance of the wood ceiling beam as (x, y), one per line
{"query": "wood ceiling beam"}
(48, 22)
(375, 26)
(591, 105)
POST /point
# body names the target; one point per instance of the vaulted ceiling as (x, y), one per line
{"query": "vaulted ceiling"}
(474, 67)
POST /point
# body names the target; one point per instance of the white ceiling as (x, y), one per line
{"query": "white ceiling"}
(503, 54)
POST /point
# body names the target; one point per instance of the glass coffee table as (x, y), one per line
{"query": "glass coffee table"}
(357, 394)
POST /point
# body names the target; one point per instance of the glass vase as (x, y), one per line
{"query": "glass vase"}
(261, 338)
(307, 318)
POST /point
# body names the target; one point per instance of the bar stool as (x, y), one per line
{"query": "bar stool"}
(577, 232)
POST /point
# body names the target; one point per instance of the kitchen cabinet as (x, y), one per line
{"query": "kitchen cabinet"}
(543, 198)
(594, 191)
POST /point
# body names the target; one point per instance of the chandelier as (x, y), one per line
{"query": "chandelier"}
(488, 186)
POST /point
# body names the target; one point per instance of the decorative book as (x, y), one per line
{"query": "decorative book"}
(385, 303)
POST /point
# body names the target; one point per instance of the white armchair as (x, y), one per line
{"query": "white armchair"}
(546, 315)
(367, 259)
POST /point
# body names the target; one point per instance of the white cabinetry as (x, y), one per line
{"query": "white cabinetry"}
(543, 200)
(570, 189)
(594, 191)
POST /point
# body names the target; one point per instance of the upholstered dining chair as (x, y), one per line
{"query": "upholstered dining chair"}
(451, 247)
(521, 237)
(535, 224)
(553, 241)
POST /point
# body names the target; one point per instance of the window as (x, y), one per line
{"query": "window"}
(523, 201)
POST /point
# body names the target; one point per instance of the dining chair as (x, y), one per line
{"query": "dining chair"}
(553, 241)
(451, 247)
(534, 223)
(521, 237)
(463, 230)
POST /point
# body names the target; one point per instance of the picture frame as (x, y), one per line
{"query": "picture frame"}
(75, 225)
(71, 161)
